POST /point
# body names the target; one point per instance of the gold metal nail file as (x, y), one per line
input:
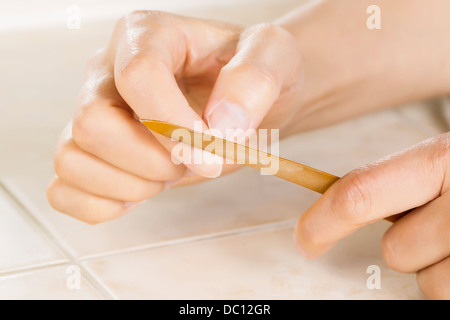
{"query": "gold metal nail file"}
(297, 173)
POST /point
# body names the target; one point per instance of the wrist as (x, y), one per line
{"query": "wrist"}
(333, 70)
(352, 70)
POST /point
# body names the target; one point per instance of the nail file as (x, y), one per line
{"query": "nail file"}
(297, 173)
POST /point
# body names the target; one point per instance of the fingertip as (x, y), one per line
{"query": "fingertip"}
(297, 244)
(198, 161)
(206, 170)
(306, 240)
(300, 243)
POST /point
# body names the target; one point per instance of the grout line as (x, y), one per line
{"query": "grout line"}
(89, 276)
(218, 235)
(27, 213)
(98, 285)
(24, 271)
(31, 268)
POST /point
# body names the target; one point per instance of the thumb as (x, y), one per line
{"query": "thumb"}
(251, 82)
(396, 184)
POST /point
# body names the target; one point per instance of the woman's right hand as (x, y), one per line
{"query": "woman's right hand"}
(176, 69)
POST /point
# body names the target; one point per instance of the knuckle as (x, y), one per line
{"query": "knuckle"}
(143, 31)
(353, 202)
(96, 58)
(136, 15)
(142, 16)
(59, 163)
(258, 73)
(141, 20)
(275, 35)
(85, 128)
(154, 14)
(51, 192)
(262, 38)
(134, 67)
(132, 18)
(390, 252)
(132, 70)
(62, 161)
(267, 30)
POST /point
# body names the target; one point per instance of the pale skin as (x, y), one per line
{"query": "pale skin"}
(314, 67)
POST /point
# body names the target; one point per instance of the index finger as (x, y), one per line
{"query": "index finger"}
(151, 51)
(387, 187)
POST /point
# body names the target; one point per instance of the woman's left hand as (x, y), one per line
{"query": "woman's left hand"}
(417, 179)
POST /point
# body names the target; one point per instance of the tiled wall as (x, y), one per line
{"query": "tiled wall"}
(228, 238)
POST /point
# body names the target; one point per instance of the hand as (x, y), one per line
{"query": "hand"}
(176, 69)
(417, 180)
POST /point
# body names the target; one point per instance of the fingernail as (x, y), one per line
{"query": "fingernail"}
(212, 171)
(228, 116)
(198, 161)
(132, 205)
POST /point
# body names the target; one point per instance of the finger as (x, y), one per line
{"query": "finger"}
(92, 175)
(151, 52)
(401, 182)
(84, 206)
(419, 239)
(252, 81)
(434, 281)
(113, 135)
(104, 126)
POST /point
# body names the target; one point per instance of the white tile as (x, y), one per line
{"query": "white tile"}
(46, 284)
(428, 117)
(22, 244)
(260, 265)
(52, 13)
(35, 108)
(237, 201)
